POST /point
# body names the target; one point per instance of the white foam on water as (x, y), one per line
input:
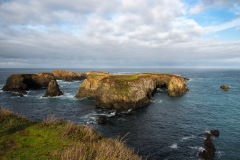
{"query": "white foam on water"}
(187, 138)
(87, 116)
(121, 119)
(152, 100)
(208, 131)
(174, 146)
(159, 89)
(191, 79)
(156, 101)
(194, 148)
(126, 112)
(200, 149)
(91, 122)
(112, 114)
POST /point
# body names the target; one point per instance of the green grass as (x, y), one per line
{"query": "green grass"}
(124, 78)
(55, 139)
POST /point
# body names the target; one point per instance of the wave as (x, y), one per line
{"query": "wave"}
(199, 149)
(125, 112)
(156, 100)
(174, 146)
(187, 138)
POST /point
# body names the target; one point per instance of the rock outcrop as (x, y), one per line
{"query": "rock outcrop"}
(215, 133)
(23, 82)
(209, 149)
(225, 87)
(53, 89)
(102, 119)
(68, 76)
(123, 92)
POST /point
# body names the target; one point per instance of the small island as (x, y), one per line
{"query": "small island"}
(128, 91)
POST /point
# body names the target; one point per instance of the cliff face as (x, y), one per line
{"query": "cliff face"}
(23, 82)
(123, 92)
(68, 76)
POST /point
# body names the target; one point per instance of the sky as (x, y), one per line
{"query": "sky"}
(119, 34)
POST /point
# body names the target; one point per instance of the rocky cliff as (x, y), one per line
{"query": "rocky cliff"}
(68, 76)
(122, 92)
(24, 82)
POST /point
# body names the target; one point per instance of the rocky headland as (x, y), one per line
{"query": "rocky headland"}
(123, 92)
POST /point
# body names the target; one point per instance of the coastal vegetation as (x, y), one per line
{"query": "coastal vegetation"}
(52, 139)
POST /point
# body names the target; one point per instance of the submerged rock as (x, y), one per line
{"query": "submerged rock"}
(102, 119)
(225, 87)
(123, 92)
(23, 82)
(53, 89)
(68, 76)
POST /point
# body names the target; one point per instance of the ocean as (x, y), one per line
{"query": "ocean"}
(169, 129)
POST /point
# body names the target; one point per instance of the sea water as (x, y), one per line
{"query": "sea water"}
(169, 128)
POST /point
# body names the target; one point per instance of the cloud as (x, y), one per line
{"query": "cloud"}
(202, 5)
(117, 33)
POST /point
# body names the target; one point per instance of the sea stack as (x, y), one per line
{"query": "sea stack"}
(53, 89)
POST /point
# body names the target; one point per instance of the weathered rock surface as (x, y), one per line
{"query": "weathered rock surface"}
(53, 89)
(23, 82)
(123, 92)
(68, 76)
(225, 87)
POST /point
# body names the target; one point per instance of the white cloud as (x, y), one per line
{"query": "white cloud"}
(106, 33)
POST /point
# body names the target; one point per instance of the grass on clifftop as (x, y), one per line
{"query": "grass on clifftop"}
(55, 139)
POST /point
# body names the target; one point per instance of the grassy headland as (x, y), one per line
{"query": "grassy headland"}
(53, 139)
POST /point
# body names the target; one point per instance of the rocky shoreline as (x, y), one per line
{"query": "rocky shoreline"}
(111, 91)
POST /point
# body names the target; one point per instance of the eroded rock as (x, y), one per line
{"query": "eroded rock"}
(53, 89)
(23, 82)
